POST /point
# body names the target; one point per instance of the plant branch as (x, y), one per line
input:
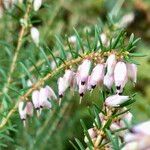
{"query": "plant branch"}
(67, 64)
(17, 50)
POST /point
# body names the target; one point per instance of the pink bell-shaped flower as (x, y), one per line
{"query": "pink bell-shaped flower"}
(22, 111)
(68, 77)
(37, 4)
(142, 128)
(108, 81)
(92, 134)
(43, 98)
(35, 35)
(120, 75)
(29, 109)
(62, 86)
(116, 100)
(132, 72)
(139, 137)
(97, 75)
(83, 71)
(110, 64)
(35, 99)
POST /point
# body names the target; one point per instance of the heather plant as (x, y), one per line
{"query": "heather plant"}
(43, 79)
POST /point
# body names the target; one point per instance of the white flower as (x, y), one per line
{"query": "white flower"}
(37, 4)
(97, 75)
(35, 99)
(137, 142)
(108, 81)
(43, 98)
(62, 86)
(72, 39)
(120, 75)
(103, 38)
(35, 35)
(29, 109)
(68, 77)
(92, 134)
(83, 71)
(116, 100)
(22, 111)
(40, 98)
(132, 72)
(126, 20)
(110, 63)
(142, 128)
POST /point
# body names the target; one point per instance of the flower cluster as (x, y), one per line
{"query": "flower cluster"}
(114, 72)
(117, 73)
(40, 100)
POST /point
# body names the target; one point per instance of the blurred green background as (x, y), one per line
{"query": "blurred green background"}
(55, 128)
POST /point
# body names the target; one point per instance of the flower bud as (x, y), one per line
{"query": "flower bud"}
(72, 39)
(35, 99)
(104, 38)
(62, 86)
(68, 77)
(108, 81)
(43, 98)
(83, 71)
(91, 133)
(22, 111)
(126, 20)
(37, 4)
(35, 35)
(132, 72)
(142, 128)
(29, 109)
(97, 75)
(137, 142)
(120, 75)
(110, 63)
(116, 100)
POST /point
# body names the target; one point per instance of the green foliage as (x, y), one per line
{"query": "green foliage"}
(55, 128)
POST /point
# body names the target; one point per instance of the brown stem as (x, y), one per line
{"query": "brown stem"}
(18, 48)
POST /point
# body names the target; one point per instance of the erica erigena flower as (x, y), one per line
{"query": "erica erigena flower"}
(72, 39)
(142, 128)
(37, 4)
(132, 72)
(120, 75)
(96, 76)
(65, 82)
(92, 133)
(108, 81)
(139, 137)
(116, 100)
(83, 71)
(24, 110)
(35, 35)
(110, 64)
(40, 98)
